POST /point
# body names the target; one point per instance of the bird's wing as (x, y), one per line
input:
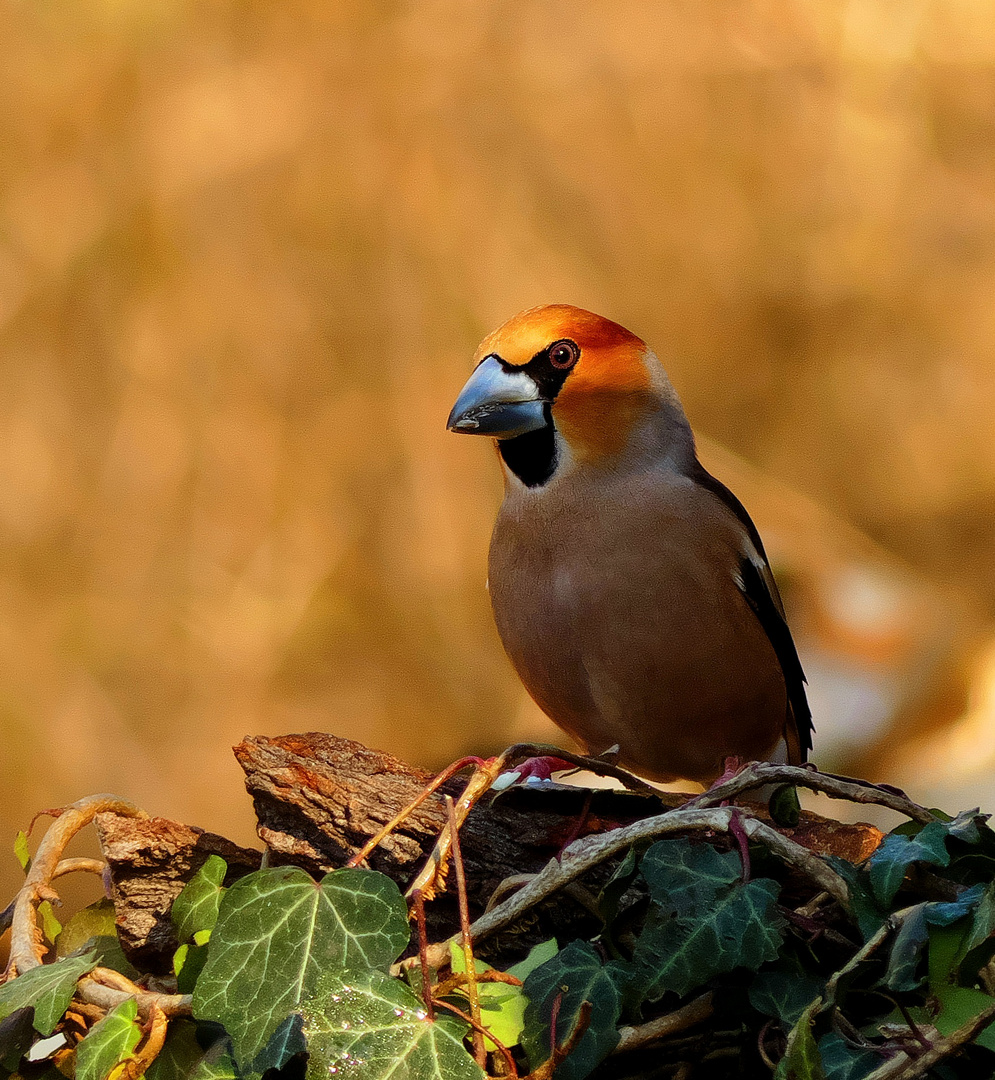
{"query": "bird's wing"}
(760, 590)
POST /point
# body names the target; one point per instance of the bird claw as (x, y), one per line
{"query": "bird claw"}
(533, 770)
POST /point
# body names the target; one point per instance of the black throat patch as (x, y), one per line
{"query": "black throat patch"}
(532, 456)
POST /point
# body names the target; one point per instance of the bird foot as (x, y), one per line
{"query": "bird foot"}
(533, 770)
(730, 767)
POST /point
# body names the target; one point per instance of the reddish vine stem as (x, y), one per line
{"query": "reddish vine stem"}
(479, 1051)
(479, 1029)
(418, 902)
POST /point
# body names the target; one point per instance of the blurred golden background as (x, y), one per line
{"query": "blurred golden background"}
(247, 250)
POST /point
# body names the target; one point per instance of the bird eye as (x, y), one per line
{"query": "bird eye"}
(563, 354)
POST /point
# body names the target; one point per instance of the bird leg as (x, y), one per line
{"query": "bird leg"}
(532, 769)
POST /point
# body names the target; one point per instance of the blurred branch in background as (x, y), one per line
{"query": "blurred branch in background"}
(246, 251)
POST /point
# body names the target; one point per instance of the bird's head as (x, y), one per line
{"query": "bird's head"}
(560, 369)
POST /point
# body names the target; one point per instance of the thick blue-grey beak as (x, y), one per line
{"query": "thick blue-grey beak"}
(498, 403)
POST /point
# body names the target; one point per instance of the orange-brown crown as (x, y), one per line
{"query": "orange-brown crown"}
(608, 391)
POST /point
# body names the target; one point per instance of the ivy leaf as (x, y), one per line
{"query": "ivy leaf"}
(864, 908)
(368, 1024)
(840, 1061)
(277, 934)
(802, 1060)
(183, 1058)
(614, 889)
(188, 962)
(577, 974)
(109, 1042)
(897, 853)
(196, 908)
(738, 928)
(912, 936)
(16, 1036)
(785, 991)
(685, 876)
(48, 987)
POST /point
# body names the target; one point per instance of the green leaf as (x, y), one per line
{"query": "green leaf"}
(958, 1004)
(738, 928)
(94, 928)
(614, 889)
(21, 851)
(785, 807)
(196, 908)
(863, 905)
(575, 975)
(278, 933)
(897, 853)
(109, 1042)
(97, 920)
(502, 1005)
(840, 1061)
(802, 1060)
(903, 962)
(372, 1026)
(784, 992)
(16, 1036)
(538, 955)
(183, 1058)
(48, 987)
(189, 961)
(684, 876)
(50, 925)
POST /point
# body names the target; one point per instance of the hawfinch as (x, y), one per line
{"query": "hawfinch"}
(630, 588)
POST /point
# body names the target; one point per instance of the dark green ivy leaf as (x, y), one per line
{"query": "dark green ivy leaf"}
(802, 1060)
(16, 1036)
(48, 987)
(912, 936)
(784, 991)
(574, 975)
(183, 1058)
(738, 928)
(898, 852)
(840, 1061)
(682, 876)
(277, 935)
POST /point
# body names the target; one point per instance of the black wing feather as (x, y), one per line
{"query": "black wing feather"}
(760, 600)
(767, 608)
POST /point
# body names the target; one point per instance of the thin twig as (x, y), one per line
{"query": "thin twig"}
(418, 903)
(405, 812)
(480, 1030)
(26, 949)
(630, 1038)
(464, 918)
(903, 1067)
(136, 1065)
(107, 998)
(432, 875)
(584, 854)
(892, 923)
(546, 1070)
(75, 866)
(761, 773)
(598, 766)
